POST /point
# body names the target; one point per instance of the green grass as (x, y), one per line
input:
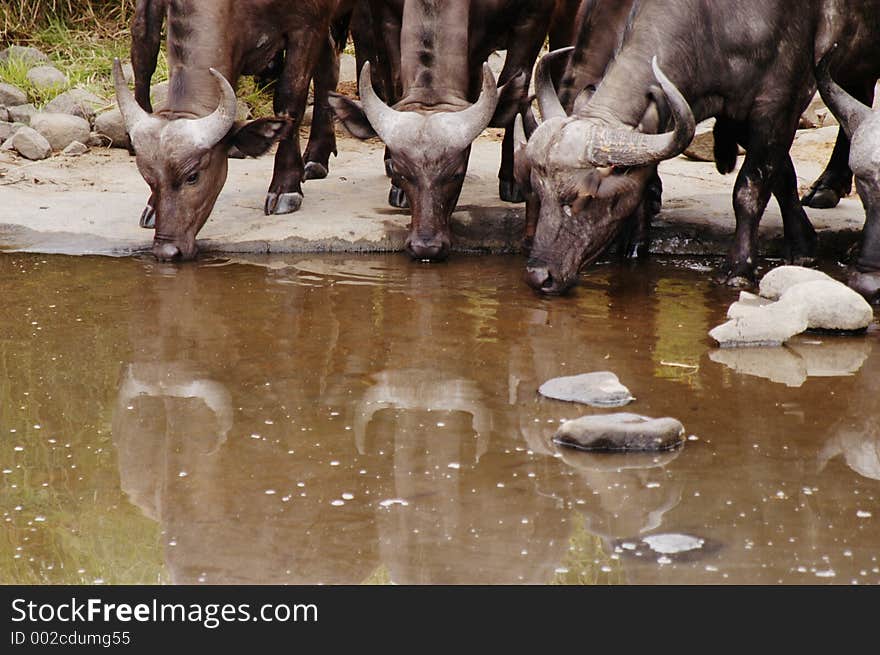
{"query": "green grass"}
(86, 57)
(19, 19)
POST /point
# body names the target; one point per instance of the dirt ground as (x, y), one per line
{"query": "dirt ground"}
(91, 204)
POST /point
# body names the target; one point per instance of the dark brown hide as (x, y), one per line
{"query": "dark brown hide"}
(431, 64)
(749, 64)
(283, 38)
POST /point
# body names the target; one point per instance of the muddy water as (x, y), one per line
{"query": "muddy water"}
(370, 420)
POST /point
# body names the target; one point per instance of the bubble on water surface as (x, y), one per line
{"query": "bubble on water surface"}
(388, 502)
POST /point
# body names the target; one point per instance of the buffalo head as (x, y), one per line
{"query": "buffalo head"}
(184, 161)
(862, 126)
(588, 176)
(429, 148)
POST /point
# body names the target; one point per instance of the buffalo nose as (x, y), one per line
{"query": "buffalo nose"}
(166, 252)
(539, 278)
(434, 249)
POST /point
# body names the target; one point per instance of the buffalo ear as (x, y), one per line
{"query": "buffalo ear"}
(352, 116)
(511, 96)
(256, 137)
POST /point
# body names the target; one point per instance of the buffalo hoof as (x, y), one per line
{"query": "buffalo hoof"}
(821, 197)
(148, 218)
(735, 279)
(867, 284)
(235, 153)
(509, 191)
(284, 203)
(389, 168)
(315, 171)
(397, 198)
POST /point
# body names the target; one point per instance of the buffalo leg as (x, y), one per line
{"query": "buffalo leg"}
(835, 182)
(291, 93)
(386, 34)
(146, 39)
(754, 183)
(800, 237)
(526, 41)
(322, 138)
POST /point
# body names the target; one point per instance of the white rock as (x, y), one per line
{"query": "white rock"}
(7, 130)
(21, 113)
(828, 305)
(111, 125)
(61, 129)
(11, 95)
(159, 95)
(78, 102)
(775, 282)
(600, 389)
(28, 55)
(46, 77)
(75, 149)
(747, 304)
(31, 144)
(769, 325)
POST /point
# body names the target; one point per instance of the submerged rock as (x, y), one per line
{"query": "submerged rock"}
(600, 389)
(620, 432)
(667, 547)
(31, 144)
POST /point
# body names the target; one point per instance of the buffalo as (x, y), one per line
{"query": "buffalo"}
(443, 97)
(862, 128)
(182, 149)
(749, 64)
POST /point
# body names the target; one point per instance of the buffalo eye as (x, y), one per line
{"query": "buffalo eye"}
(192, 178)
(566, 209)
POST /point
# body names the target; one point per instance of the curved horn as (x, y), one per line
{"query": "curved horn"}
(848, 111)
(384, 119)
(206, 132)
(548, 99)
(610, 147)
(460, 128)
(519, 133)
(132, 113)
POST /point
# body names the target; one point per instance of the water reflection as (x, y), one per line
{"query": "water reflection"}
(804, 357)
(369, 419)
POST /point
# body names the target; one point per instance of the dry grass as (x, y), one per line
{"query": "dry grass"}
(21, 19)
